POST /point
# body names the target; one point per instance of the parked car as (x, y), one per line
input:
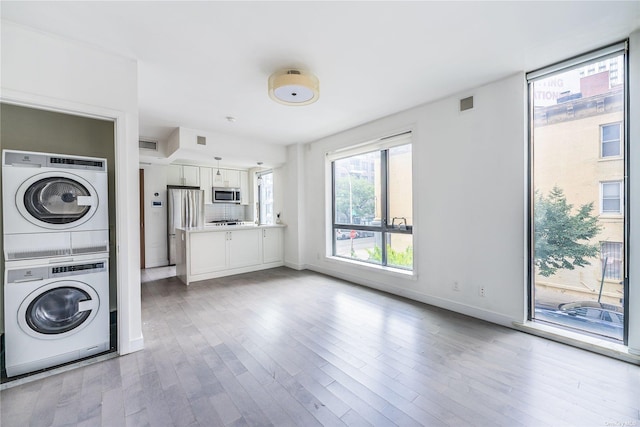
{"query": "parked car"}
(342, 234)
(346, 234)
(589, 316)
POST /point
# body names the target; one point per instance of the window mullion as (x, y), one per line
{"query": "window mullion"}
(333, 208)
(384, 203)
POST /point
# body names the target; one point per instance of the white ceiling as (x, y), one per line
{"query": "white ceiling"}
(202, 61)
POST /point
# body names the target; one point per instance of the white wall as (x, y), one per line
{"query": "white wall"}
(44, 71)
(470, 196)
(279, 176)
(469, 193)
(293, 206)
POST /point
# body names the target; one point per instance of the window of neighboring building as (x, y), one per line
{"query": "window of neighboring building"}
(372, 203)
(610, 140)
(265, 198)
(611, 197)
(611, 258)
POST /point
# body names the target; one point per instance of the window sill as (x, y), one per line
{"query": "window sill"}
(611, 159)
(575, 339)
(396, 272)
(611, 215)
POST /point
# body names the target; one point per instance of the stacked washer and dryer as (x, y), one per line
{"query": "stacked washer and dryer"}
(56, 251)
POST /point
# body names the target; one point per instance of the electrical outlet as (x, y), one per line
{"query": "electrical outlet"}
(456, 286)
(482, 291)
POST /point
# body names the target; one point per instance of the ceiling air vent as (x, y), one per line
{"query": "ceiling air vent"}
(148, 145)
(202, 140)
(466, 104)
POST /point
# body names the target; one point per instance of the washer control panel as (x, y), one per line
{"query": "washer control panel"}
(31, 274)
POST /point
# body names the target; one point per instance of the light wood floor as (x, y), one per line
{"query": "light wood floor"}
(288, 348)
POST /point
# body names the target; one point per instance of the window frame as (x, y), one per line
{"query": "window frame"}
(602, 141)
(382, 146)
(259, 184)
(620, 185)
(611, 51)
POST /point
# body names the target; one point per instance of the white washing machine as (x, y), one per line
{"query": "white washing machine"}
(55, 313)
(53, 205)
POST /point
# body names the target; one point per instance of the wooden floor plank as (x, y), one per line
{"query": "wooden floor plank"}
(362, 408)
(290, 348)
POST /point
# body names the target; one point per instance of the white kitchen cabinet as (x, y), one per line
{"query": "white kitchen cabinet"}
(208, 252)
(272, 245)
(223, 250)
(217, 180)
(228, 178)
(206, 183)
(191, 175)
(244, 187)
(231, 178)
(183, 175)
(244, 248)
(174, 175)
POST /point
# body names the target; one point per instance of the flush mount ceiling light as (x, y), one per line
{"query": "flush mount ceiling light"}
(294, 87)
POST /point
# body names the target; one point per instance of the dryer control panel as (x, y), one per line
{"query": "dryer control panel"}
(40, 160)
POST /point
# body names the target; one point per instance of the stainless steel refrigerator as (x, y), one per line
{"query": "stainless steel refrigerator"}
(185, 209)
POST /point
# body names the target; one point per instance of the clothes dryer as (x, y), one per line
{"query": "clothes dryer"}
(55, 313)
(53, 205)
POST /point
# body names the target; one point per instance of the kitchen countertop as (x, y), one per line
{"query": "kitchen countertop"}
(208, 228)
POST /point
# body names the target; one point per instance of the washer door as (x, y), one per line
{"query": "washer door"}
(58, 309)
(57, 200)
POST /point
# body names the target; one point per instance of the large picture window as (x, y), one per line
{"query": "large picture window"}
(578, 219)
(372, 204)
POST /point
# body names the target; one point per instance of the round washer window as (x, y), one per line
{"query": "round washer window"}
(57, 311)
(55, 200)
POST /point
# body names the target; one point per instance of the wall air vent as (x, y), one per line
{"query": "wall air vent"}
(148, 145)
(202, 140)
(466, 104)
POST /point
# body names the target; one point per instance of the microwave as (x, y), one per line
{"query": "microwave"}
(225, 195)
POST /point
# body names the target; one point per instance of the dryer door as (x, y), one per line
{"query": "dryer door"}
(57, 200)
(58, 309)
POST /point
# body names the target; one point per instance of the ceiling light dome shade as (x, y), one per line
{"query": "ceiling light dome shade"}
(294, 87)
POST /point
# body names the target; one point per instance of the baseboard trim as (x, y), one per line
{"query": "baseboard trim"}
(444, 303)
(133, 346)
(294, 266)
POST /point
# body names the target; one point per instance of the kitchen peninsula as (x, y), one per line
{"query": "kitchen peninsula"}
(217, 251)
